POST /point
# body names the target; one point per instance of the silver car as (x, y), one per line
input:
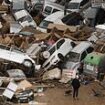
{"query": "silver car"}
(15, 55)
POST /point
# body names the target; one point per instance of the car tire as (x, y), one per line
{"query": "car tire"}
(27, 63)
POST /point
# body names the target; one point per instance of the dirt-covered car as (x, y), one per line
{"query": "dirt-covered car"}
(15, 55)
(24, 18)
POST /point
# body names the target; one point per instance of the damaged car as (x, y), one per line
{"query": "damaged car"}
(76, 56)
(58, 51)
(24, 18)
(15, 55)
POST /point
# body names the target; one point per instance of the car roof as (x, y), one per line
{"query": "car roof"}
(81, 47)
(55, 16)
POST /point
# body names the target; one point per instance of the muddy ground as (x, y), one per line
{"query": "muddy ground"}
(55, 96)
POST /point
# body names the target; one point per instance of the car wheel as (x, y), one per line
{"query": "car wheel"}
(27, 63)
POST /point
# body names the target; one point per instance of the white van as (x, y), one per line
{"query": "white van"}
(53, 18)
(58, 51)
(77, 54)
(76, 5)
(50, 7)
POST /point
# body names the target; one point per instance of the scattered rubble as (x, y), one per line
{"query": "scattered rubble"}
(52, 74)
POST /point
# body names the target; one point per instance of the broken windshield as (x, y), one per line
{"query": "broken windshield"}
(73, 57)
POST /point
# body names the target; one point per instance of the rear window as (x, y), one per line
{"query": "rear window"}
(72, 19)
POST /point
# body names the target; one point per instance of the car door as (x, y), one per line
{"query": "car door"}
(17, 56)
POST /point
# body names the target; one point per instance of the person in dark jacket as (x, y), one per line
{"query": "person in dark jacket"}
(76, 85)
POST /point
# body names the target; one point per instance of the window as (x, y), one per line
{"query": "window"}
(60, 43)
(48, 10)
(15, 49)
(55, 10)
(44, 24)
(84, 2)
(90, 49)
(27, 18)
(83, 55)
(72, 19)
(67, 17)
(73, 44)
(52, 50)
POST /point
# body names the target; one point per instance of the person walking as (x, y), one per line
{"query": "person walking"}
(76, 85)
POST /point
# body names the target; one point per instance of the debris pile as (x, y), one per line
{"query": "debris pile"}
(37, 52)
